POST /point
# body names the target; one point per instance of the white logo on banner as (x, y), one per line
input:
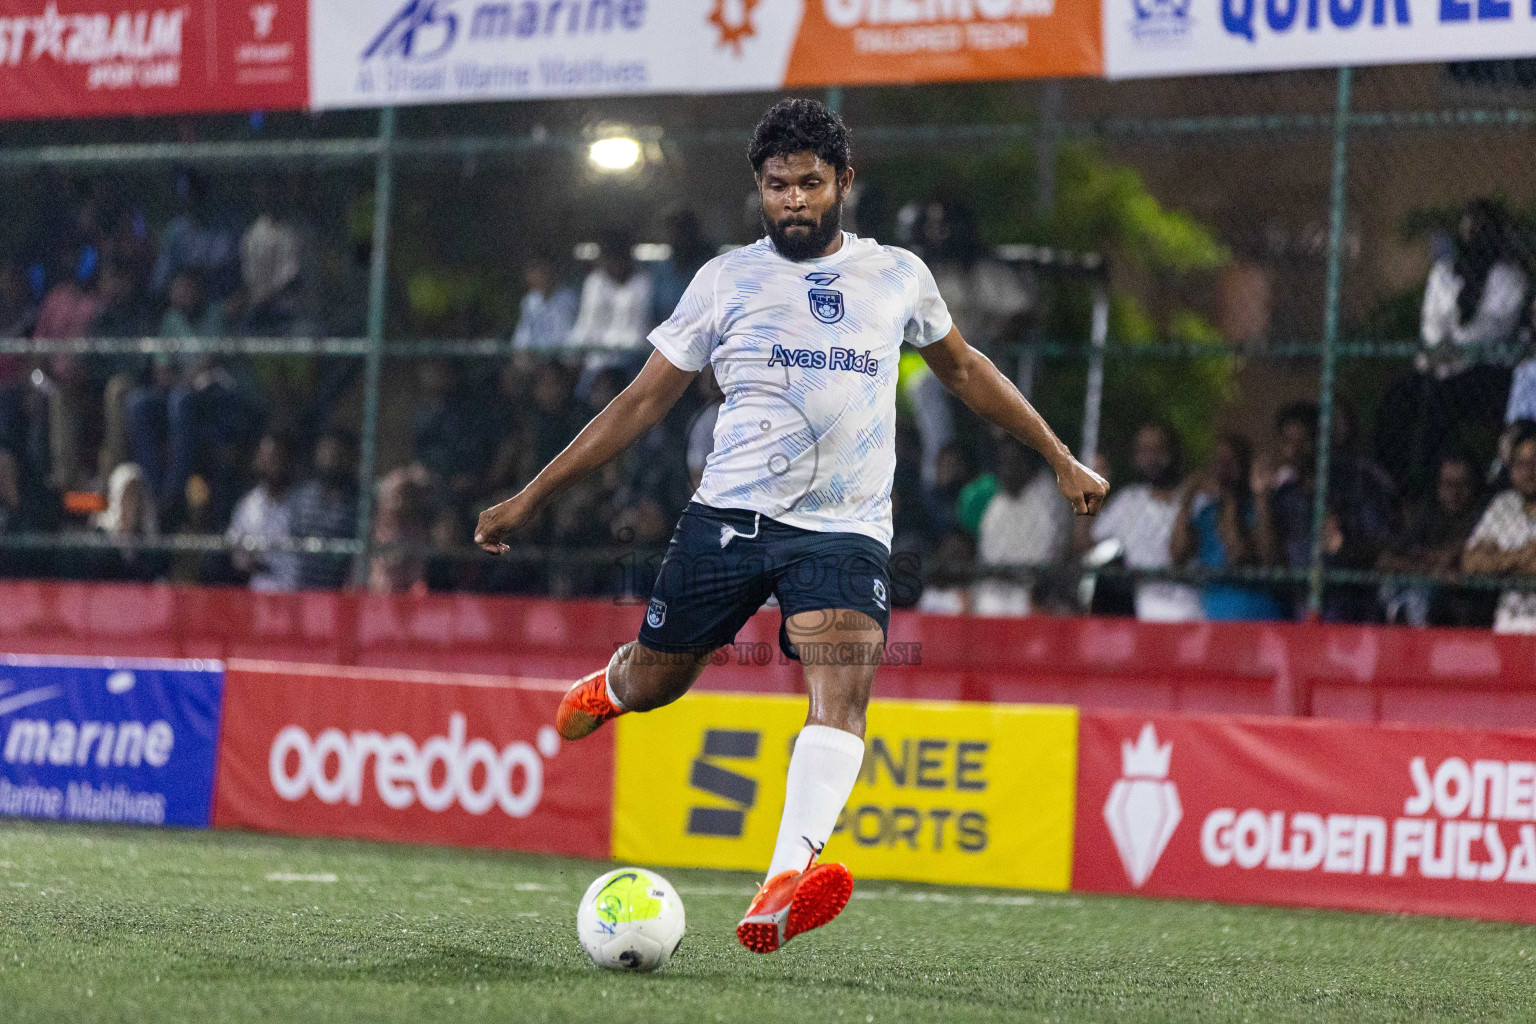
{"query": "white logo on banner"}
(1143, 806)
(262, 17)
(334, 766)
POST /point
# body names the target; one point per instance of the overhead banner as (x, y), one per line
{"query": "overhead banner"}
(1145, 38)
(86, 58)
(366, 53)
(1308, 813)
(974, 794)
(412, 757)
(102, 740)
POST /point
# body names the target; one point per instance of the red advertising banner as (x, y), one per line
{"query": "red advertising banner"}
(83, 58)
(409, 757)
(1308, 813)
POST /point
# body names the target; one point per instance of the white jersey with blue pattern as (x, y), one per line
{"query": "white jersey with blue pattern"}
(806, 356)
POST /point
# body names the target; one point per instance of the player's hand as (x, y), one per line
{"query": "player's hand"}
(499, 520)
(1085, 489)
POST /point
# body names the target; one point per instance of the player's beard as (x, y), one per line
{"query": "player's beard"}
(809, 246)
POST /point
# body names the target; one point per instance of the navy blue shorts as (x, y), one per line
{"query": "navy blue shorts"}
(723, 563)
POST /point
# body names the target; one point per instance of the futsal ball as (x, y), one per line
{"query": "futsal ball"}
(630, 920)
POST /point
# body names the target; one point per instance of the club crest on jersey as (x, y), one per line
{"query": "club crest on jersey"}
(826, 304)
(656, 613)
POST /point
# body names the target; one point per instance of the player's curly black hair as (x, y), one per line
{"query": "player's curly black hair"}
(797, 126)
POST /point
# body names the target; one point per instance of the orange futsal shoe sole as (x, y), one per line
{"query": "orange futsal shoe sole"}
(585, 706)
(789, 905)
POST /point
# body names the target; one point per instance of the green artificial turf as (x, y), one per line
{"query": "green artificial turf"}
(113, 924)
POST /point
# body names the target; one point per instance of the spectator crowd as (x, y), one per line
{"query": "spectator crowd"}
(134, 447)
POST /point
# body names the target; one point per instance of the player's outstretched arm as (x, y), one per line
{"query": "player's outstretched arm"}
(634, 411)
(977, 382)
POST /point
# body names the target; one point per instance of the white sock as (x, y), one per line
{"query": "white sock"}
(613, 698)
(822, 771)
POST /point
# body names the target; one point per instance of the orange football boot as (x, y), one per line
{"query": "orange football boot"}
(792, 902)
(585, 706)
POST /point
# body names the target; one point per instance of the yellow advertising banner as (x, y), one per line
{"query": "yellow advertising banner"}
(977, 794)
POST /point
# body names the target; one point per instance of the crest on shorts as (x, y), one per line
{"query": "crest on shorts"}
(879, 590)
(656, 613)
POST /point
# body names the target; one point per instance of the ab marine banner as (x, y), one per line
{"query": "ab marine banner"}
(414, 757)
(977, 794)
(92, 739)
(367, 53)
(86, 58)
(1308, 813)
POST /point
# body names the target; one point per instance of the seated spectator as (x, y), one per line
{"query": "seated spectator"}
(124, 314)
(18, 312)
(1436, 535)
(954, 481)
(271, 261)
(989, 305)
(264, 515)
(1504, 541)
(70, 386)
(947, 589)
(1522, 385)
(448, 433)
(71, 306)
(1364, 516)
(403, 529)
(130, 513)
(1361, 516)
(615, 312)
(548, 310)
(1290, 487)
(326, 506)
(554, 422)
(190, 312)
(201, 239)
(194, 416)
(671, 277)
(1027, 525)
(1141, 516)
(910, 530)
(1216, 529)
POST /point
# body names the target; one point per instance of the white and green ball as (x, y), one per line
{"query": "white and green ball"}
(630, 920)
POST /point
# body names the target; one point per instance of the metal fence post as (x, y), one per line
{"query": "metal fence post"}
(1093, 397)
(378, 286)
(1330, 336)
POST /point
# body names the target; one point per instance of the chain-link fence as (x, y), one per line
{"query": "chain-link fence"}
(1285, 313)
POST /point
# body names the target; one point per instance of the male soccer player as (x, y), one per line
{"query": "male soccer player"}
(803, 330)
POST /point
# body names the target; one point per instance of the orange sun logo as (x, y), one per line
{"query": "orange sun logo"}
(733, 31)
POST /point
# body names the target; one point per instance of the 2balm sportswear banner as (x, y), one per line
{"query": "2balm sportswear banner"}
(1308, 813)
(89, 58)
